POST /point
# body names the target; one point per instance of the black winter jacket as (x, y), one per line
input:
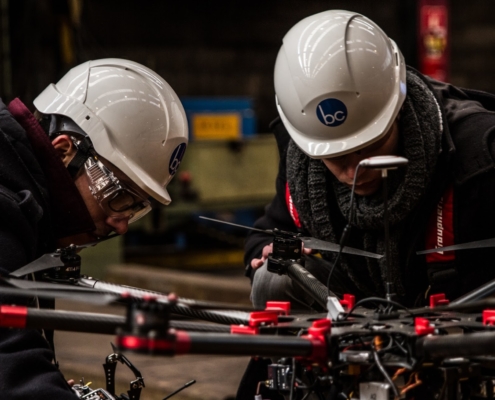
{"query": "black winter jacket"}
(466, 162)
(39, 203)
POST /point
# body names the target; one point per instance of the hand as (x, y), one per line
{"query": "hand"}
(258, 262)
(70, 382)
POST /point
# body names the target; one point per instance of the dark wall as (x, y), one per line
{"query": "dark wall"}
(221, 48)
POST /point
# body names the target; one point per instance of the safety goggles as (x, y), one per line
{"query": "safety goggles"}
(115, 198)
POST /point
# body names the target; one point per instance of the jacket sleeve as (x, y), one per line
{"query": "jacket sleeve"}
(26, 368)
(276, 213)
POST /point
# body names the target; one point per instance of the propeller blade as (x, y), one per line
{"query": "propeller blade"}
(317, 244)
(53, 260)
(46, 261)
(268, 231)
(35, 285)
(83, 246)
(479, 244)
(309, 242)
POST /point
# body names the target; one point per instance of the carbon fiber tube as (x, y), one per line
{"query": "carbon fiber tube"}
(73, 321)
(199, 327)
(218, 316)
(308, 283)
(117, 289)
(100, 323)
(225, 317)
(249, 345)
(468, 345)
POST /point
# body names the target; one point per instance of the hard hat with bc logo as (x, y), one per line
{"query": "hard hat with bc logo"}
(340, 82)
(132, 116)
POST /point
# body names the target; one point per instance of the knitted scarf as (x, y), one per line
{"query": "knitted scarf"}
(323, 202)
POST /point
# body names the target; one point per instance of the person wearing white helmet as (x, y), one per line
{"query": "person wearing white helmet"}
(101, 144)
(343, 94)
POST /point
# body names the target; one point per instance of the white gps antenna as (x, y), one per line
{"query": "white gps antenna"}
(385, 163)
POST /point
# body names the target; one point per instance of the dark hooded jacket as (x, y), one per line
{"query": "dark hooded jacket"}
(466, 162)
(39, 204)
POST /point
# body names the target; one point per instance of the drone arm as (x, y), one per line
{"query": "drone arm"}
(181, 342)
(32, 318)
(139, 292)
(312, 286)
(472, 345)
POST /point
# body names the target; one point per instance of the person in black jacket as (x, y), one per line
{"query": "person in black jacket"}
(101, 143)
(344, 94)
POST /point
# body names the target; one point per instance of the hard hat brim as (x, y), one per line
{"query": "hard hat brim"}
(328, 148)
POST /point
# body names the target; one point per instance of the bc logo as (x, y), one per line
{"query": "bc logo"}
(331, 112)
(176, 158)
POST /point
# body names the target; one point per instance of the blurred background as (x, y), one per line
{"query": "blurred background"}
(219, 58)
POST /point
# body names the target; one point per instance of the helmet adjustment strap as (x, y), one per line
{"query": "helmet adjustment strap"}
(59, 124)
(83, 151)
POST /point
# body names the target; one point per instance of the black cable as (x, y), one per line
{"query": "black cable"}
(347, 230)
(331, 270)
(293, 378)
(307, 394)
(180, 389)
(400, 346)
(389, 345)
(378, 300)
(315, 384)
(383, 371)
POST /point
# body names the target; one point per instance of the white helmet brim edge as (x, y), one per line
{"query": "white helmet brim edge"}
(51, 101)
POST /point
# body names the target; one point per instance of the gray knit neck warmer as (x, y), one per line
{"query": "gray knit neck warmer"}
(323, 202)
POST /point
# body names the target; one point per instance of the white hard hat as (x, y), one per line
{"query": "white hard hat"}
(132, 116)
(339, 83)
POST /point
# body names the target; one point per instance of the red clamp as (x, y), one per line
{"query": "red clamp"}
(317, 334)
(244, 330)
(13, 316)
(422, 326)
(348, 301)
(438, 300)
(489, 317)
(174, 343)
(280, 307)
(256, 319)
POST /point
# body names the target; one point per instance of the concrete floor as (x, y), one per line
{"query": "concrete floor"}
(217, 377)
(82, 355)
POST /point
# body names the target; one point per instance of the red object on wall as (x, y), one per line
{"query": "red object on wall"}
(434, 38)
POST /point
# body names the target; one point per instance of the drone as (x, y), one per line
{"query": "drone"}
(357, 350)
(374, 348)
